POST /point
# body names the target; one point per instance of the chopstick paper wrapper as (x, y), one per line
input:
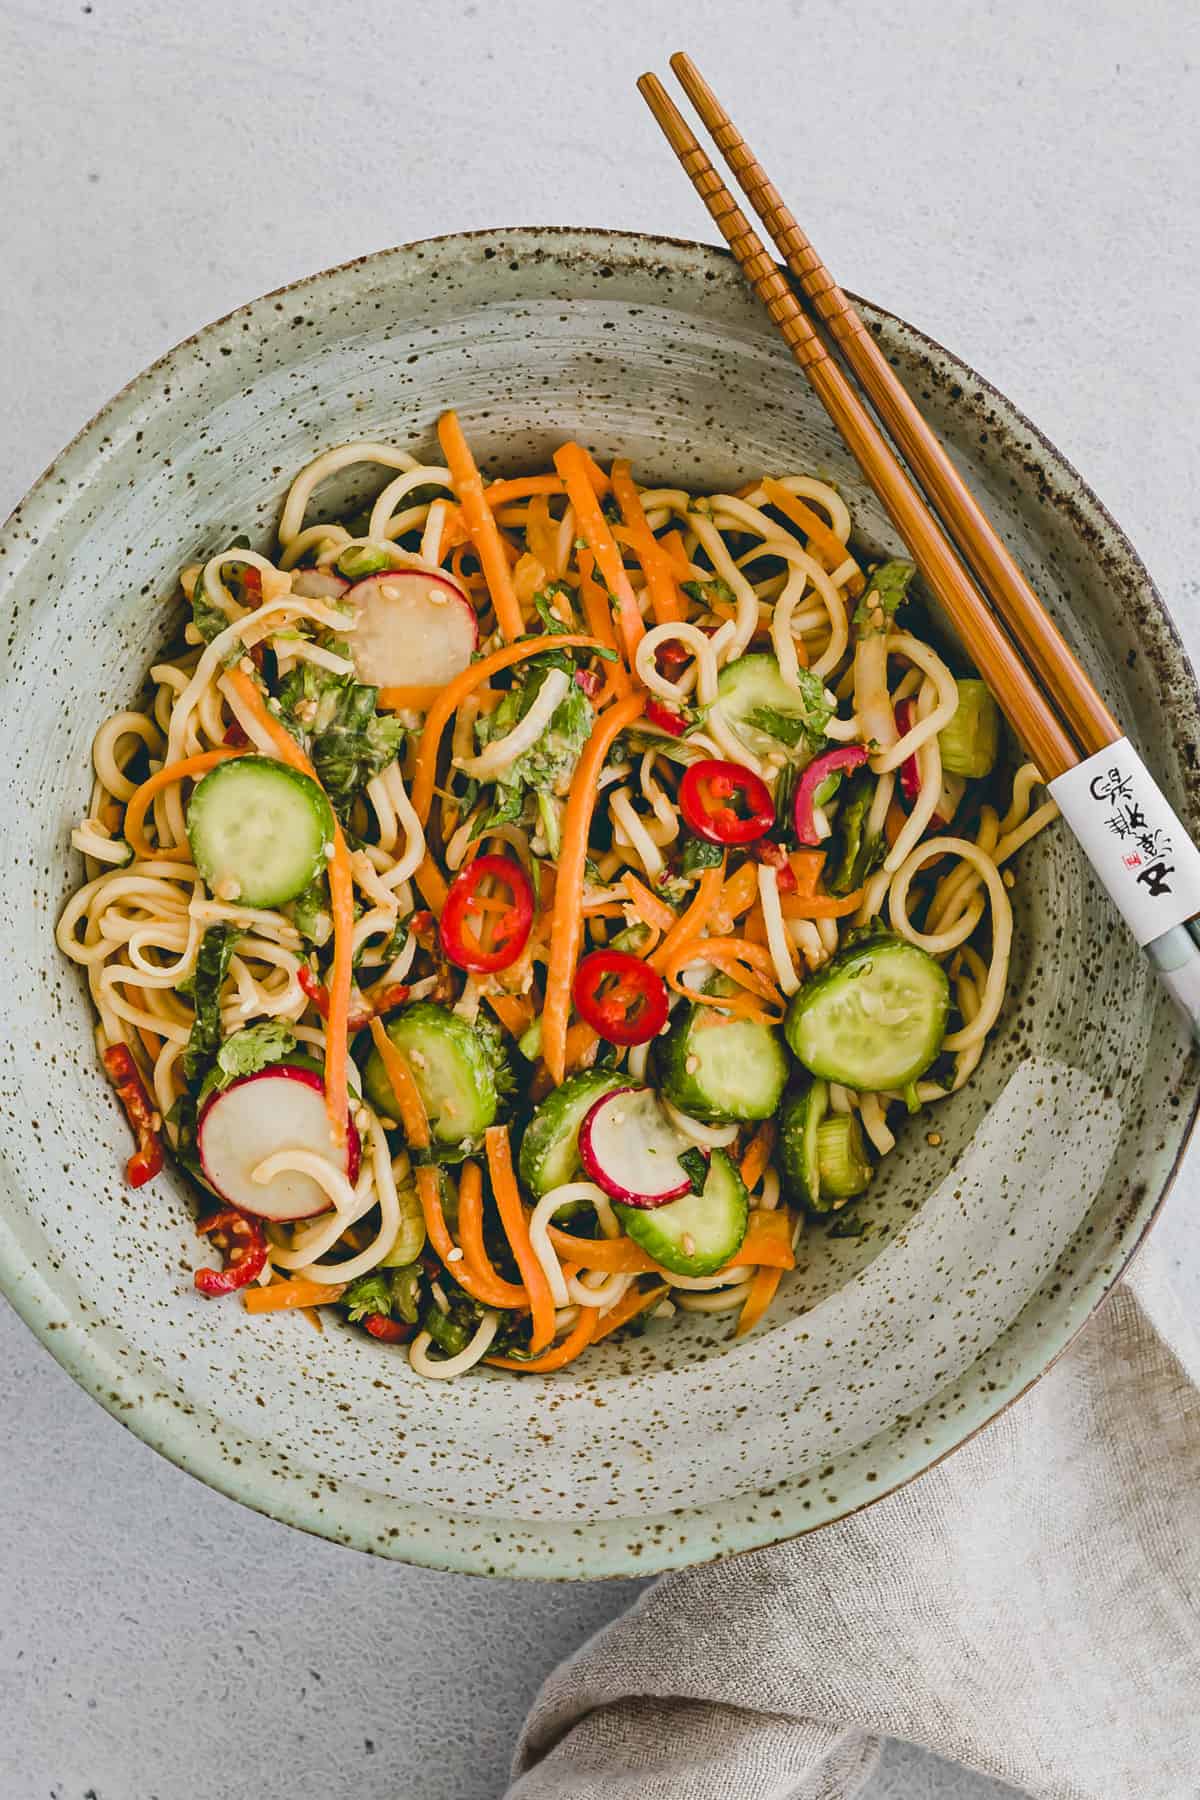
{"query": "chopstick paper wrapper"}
(1143, 856)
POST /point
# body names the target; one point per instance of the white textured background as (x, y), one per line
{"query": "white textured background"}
(1019, 179)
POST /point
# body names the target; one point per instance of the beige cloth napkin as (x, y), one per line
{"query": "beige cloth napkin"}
(1028, 1608)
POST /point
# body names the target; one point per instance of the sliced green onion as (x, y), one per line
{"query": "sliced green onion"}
(842, 1156)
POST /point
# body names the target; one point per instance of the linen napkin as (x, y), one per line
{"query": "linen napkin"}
(1028, 1608)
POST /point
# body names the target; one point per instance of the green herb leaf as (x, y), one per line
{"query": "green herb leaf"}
(212, 966)
(311, 912)
(247, 1051)
(697, 854)
(705, 592)
(393, 1293)
(334, 718)
(885, 589)
(694, 1164)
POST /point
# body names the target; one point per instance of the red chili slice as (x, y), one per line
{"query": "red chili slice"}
(362, 1010)
(388, 1331)
(622, 998)
(724, 803)
(122, 1071)
(465, 904)
(241, 1243)
(909, 773)
(667, 718)
(819, 770)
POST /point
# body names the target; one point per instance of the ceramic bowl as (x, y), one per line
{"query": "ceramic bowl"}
(985, 1250)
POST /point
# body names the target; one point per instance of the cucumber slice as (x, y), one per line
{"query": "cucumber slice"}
(450, 1066)
(721, 1071)
(970, 743)
(698, 1233)
(550, 1147)
(765, 712)
(873, 1017)
(845, 1167)
(800, 1117)
(260, 832)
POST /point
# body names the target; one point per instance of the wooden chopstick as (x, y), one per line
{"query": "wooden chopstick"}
(997, 573)
(991, 651)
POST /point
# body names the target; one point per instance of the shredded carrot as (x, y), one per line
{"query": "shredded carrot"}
(598, 618)
(806, 867)
(541, 534)
(521, 487)
(411, 699)
(768, 1240)
(581, 1047)
(475, 1260)
(763, 1284)
(649, 908)
(894, 822)
(677, 556)
(514, 1011)
(740, 891)
(692, 922)
(767, 1243)
(566, 931)
(758, 1155)
(819, 906)
(481, 524)
(284, 1295)
(628, 1307)
(184, 770)
(576, 1341)
(341, 898)
(824, 545)
(516, 1229)
(410, 1108)
(748, 964)
(656, 564)
(572, 462)
(616, 1256)
(456, 691)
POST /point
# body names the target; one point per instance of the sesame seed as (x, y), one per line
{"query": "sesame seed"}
(933, 1139)
(455, 1255)
(687, 1244)
(692, 1064)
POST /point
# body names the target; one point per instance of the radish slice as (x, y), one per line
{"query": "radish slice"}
(280, 1108)
(415, 628)
(318, 584)
(630, 1148)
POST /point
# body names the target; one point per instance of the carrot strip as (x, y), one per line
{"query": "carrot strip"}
(616, 1256)
(656, 565)
(341, 897)
(577, 1340)
(649, 908)
(516, 1229)
(415, 699)
(481, 524)
(806, 866)
(627, 1307)
(541, 534)
(740, 891)
(456, 691)
(521, 487)
(572, 462)
(598, 618)
(894, 822)
(672, 543)
(692, 922)
(139, 801)
(287, 1294)
(566, 931)
(767, 1243)
(758, 1155)
(824, 545)
(470, 1232)
(409, 1105)
(748, 964)
(514, 1011)
(819, 906)
(762, 1291)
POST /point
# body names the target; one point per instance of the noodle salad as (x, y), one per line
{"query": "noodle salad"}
(521, 907)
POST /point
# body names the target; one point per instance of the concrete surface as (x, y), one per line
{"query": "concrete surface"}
(1018, 179)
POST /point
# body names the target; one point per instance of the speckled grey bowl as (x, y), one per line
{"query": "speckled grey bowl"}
(984, 1253)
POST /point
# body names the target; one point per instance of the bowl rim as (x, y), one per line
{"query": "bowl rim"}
(189, 1447)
